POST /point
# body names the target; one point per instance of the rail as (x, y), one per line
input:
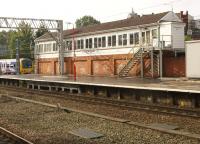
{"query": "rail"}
(170, 110)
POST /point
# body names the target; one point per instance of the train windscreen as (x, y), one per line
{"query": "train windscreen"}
(27, 63)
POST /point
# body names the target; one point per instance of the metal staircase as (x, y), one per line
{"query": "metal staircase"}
(153, 71)
(131, 63)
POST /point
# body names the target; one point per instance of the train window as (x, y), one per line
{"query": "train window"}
(26, 63)
(95, 42)
(7, 66)
(119, 40)
(103, 41)
(114, 40)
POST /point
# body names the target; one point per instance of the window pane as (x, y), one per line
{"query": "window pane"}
(103, 41)
(86, 43)
(99, 42)
(143, 37)
(154, 33)
(109, 41)
(90, 43)
(82, 44)
(131, 39)
(120, 40)
(124, 39)
(95, 42)
(136, 38)
(114, 40)
(148, 36)
(79, 44)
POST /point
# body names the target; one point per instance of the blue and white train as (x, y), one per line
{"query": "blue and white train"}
(8, 66)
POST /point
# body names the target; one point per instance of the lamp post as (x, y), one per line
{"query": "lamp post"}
(73, 43)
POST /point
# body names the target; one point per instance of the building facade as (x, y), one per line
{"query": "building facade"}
(137, 46)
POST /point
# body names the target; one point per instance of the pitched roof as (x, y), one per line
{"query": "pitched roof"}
(133, 21)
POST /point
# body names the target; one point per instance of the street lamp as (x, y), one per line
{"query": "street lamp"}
(73, 43)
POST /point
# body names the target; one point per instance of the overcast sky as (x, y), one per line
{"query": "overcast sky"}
(103, 10)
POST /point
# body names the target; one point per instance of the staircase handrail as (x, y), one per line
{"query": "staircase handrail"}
(138, 50)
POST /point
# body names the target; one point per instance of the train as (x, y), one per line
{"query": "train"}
(8, 66)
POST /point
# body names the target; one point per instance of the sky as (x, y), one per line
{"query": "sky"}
(103, 10)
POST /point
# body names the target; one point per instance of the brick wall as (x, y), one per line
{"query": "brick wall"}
(174, 66)
(111, 65)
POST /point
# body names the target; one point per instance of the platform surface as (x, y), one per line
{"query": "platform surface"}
(179, 85)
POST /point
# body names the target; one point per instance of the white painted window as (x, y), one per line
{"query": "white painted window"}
(114, 40)
(69, 44)
(136, 36)
(55, 47)
(82, 44)
(109, 41)
(103, 41)
(90, 43)
(148, 37)
(143, 37)
(87, 43)
(99, 42)
(154, 34)
(120, 40)
(95, 42)
(124, 39)
(131, 39)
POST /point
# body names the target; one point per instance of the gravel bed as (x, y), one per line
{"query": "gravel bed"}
(191, 125)
(44, 125)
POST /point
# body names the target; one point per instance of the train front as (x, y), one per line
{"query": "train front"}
(26, 66)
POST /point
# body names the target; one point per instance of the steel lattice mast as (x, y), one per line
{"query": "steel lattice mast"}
(14, 23)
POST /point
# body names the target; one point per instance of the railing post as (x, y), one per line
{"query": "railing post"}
(141, 60)
(152, 63)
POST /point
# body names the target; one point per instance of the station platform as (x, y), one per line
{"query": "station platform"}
(165, 84)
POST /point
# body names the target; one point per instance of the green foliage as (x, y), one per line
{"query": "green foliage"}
(86, 21)
(3, 38)
(188, 38)
(25, 36)
(42, 30)
(12, 44)
(3, 45)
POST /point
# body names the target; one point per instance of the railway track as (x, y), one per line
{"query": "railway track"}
(6, 137)
(170, 110)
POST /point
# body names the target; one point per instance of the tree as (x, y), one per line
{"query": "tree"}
(3, 38)
(25, 36)
(41, 31)
(12, 36)
(3, 45)
(86, 21)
